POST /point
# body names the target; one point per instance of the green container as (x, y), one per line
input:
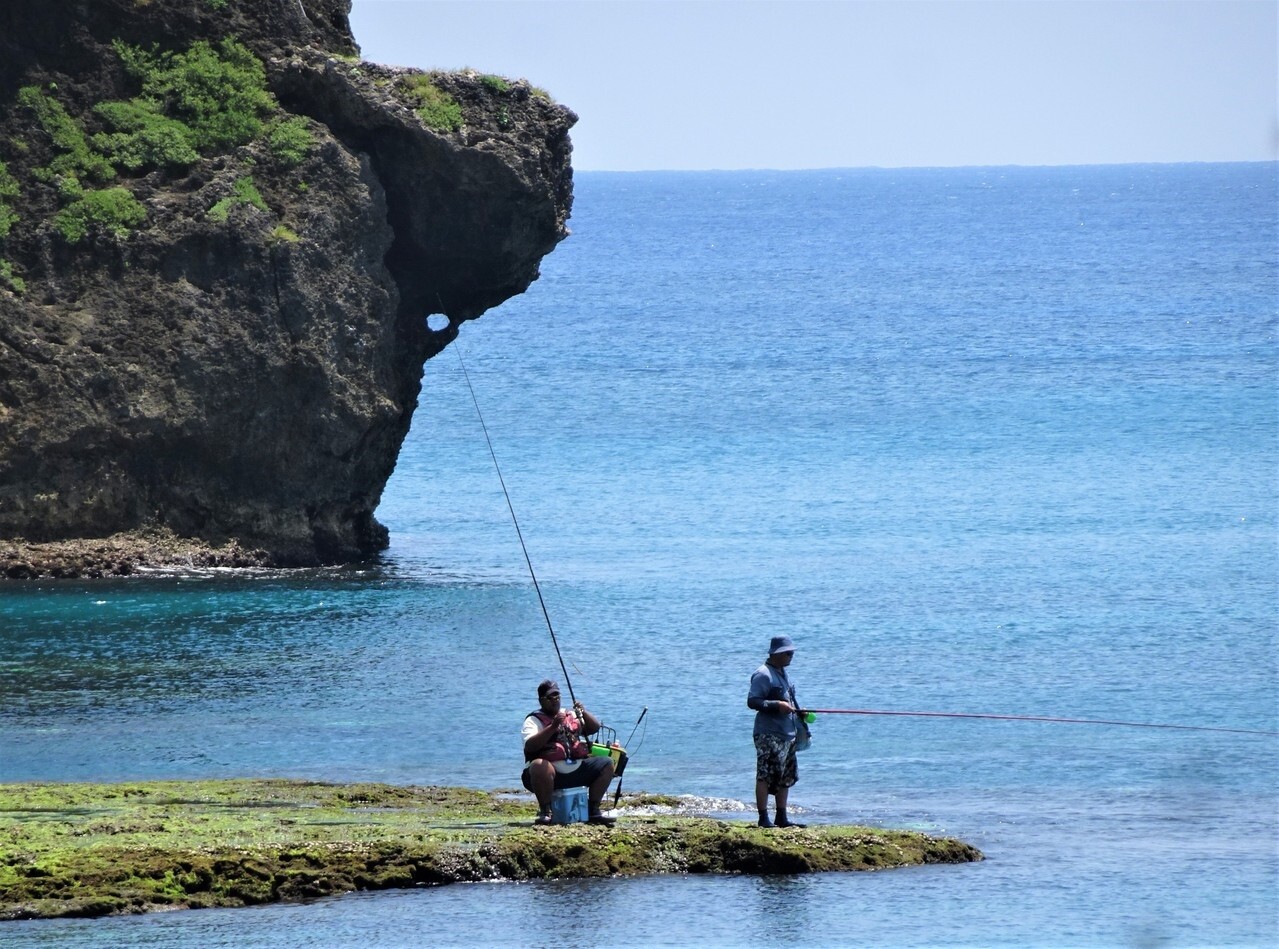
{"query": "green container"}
(607, 751)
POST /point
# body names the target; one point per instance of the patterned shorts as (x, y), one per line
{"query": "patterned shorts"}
(775, 762)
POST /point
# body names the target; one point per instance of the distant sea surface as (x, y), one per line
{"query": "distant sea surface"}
(996, 440)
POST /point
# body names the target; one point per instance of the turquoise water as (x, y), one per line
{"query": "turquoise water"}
(988, 440)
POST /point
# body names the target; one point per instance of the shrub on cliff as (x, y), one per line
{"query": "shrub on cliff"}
(219, 94)
(436, 108)
(144, 136)
(73, 156)
(10, 279)
(8, 217)
(8, 189)
(244, 191)
(290, 141)
(206, 100)
(115, 209)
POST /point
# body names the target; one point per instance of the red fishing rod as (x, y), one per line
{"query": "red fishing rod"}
(1034, 718)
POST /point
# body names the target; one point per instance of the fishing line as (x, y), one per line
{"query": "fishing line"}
(518, 533)
(1038, 718)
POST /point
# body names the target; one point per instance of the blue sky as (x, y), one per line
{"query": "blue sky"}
(698, 84)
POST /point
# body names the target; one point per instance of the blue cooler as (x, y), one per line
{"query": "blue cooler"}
(568, 806)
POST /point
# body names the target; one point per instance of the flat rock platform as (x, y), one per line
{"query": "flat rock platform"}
(103, 849)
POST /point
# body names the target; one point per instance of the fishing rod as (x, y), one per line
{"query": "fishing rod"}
(617, 795)
(637, 724)
(518, 533)
(1035, 718)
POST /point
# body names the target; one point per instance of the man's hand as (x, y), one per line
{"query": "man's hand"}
(784, 707)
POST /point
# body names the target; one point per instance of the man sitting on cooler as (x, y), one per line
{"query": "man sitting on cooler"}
(558, 757)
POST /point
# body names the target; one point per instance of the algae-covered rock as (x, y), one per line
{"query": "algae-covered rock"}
(100, 849)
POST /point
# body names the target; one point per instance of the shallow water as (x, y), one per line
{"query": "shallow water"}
(990, 440)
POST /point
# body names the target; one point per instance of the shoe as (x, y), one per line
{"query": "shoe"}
(543, 818)
(765, 822)
(606, 820)
(789, 823)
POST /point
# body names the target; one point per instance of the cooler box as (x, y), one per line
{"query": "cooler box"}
(568, 806)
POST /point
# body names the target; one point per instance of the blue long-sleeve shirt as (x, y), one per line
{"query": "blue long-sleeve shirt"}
(770, 685)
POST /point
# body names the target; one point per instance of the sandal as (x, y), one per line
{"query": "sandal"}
(606, 820)
(543, 818)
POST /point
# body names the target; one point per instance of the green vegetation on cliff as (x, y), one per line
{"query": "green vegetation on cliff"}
(436, 108)
(205, 100)
(244, 191)
(113, 209)
(290, 140)
(144, 136)
(8, 190)
(218, 94)
(8, 217)
(73, 157)
(92, 850)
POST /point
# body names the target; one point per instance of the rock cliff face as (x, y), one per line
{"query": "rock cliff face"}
(221, 235)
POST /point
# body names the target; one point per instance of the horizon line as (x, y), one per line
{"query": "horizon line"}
(761, 168)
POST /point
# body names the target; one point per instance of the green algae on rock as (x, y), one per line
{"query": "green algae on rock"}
(101, 849)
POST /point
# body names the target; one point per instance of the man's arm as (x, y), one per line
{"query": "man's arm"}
(539, 739)
(757, 699)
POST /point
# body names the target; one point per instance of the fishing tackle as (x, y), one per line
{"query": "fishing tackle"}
(607, 746)
(1034, 718)
(621, 765)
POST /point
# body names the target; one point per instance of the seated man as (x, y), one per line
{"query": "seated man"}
(558, 757)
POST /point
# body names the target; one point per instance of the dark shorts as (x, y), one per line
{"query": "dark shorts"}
(581, 776)
(775, 762)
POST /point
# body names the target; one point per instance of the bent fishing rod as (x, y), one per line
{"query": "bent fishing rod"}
(515, 520)
(1035, 718)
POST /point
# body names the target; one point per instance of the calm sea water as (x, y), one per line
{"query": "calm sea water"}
(988, 440)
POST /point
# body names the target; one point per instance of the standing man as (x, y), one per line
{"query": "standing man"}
(776, 727)
(557, 757)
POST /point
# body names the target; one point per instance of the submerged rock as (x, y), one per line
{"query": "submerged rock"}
(101, 849)
(221, 235)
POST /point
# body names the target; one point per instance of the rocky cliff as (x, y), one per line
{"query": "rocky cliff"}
(221, 235)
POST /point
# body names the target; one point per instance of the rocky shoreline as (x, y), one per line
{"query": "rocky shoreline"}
(121, 555)
(92, 850)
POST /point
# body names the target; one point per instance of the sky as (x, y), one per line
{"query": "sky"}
(731, 84)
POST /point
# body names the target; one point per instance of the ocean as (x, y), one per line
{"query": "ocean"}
(989, 440)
